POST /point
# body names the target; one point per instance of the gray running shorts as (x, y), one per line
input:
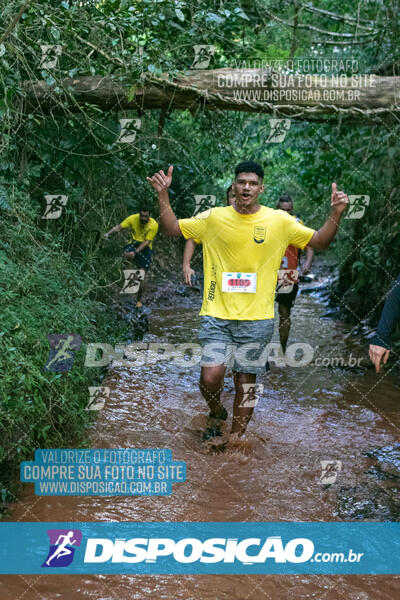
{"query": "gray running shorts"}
(241, 345)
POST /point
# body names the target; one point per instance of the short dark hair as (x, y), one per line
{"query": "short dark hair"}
(285, 198)
(250, 167)
(142, 209)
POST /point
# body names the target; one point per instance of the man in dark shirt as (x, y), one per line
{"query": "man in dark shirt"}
(380, 345)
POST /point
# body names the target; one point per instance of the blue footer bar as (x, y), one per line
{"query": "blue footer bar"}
(200, 548)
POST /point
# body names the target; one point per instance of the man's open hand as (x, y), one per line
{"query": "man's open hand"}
(160, 181)
(339, 200)
(187, 274)
(376, 353)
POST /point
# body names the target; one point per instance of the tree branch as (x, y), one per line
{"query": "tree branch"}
(335, 17)
(316, 29)
(14, 21)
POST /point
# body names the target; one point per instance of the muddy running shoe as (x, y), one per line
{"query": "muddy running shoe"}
(212, 431)
(214, 424)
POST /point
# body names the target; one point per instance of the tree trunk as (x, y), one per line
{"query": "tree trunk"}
(368, 98)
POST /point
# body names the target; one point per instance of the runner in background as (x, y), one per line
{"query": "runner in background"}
(190, 245)
(288, 282)
(143, 230)
(380, 346)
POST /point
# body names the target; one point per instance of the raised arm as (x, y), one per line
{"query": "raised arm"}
(161, 182)
(324, 236)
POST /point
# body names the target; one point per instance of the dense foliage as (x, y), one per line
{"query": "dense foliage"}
(57, 275)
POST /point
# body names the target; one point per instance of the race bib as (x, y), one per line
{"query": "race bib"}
(239, 282)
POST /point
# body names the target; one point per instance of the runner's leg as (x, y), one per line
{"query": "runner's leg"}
(141, 288)
(284, 324)
(211, 385)
(242, 414)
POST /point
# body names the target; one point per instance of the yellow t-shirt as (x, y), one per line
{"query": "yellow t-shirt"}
(140, 232)
(243, 252)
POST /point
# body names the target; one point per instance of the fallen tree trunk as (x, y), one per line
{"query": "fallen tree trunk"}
(364, 98)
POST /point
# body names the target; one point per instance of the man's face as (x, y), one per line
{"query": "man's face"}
(144, 216)
(286, 206)
(246, 188)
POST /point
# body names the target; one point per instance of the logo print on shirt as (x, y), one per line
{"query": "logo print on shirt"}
(259, 234)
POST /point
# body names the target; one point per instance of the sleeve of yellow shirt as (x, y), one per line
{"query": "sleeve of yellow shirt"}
(128, 222)
(195, 227)
(152, 230)
(298, 234)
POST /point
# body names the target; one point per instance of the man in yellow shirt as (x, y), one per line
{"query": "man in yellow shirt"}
(243, 247)
(143, 230)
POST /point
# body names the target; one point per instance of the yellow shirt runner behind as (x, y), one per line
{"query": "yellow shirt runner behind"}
(139, 232)
(242, 255)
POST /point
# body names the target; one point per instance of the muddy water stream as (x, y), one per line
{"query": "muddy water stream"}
(305, 415)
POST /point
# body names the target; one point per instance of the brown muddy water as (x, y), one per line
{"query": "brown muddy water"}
(305, 415)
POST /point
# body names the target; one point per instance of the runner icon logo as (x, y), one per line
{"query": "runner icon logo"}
(251, 394)
(279, 129)
(98, 396)
(133, 277)
(202, 56)
(50, 55)
(330, 471)
(357, 206)
(129, 129)
(62, 348)
(62, 547)
(54, 206)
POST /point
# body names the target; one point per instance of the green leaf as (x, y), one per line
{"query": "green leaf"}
(239, 12)
(214, 18)
(179, 14)
(55, 33)
(131, 93)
